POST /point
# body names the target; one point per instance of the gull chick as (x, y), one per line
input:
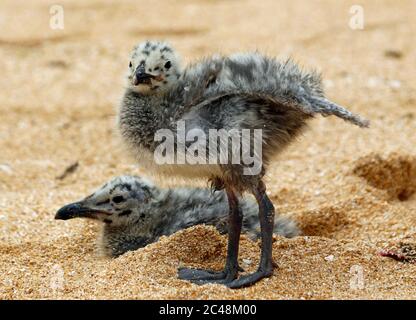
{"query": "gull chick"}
(135, 213)
(230, 93)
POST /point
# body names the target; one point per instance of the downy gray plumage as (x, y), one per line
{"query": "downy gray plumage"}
(135, 213)
(241, 91)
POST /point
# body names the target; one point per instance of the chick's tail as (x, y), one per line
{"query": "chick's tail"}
(286, 227)
(326, 108)
(283, 226)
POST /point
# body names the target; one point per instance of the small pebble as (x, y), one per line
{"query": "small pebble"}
(6, 168)
(395, 84)
(330, 258)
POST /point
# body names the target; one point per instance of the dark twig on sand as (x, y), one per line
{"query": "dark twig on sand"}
(69, 170)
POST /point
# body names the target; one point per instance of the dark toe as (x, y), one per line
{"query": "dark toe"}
(248, 280)
(200, 274)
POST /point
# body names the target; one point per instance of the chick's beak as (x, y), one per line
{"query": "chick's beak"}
(75, 210)
(141, 77)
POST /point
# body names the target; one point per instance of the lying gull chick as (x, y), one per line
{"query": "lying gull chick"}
(135, 213)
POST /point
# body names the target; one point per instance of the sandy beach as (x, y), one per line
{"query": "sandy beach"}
(352, 191)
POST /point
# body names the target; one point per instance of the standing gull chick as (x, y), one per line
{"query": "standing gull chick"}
(242, 91)
(135, 213)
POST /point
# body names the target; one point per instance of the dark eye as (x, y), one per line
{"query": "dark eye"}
(130, 65)
(118, 199)
(168, 65)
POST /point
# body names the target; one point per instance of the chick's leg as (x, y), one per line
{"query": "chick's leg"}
(266, 217)
(231, 269)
